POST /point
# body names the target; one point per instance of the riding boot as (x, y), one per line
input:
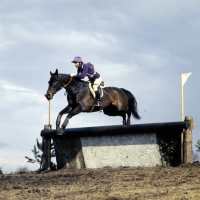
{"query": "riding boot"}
(98, 99)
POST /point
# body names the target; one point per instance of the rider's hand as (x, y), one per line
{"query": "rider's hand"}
(72, 75)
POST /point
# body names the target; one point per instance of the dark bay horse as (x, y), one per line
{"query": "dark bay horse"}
(115, 101)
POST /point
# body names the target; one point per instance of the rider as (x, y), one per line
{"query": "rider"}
(84, 69)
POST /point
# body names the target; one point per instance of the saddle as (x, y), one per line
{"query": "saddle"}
(100, 88)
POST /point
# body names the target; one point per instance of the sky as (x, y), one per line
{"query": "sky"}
(142, 46)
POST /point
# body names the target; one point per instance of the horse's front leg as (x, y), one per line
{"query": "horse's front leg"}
(67, 109)
(73, 112)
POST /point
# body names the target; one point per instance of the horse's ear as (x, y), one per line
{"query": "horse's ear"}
(56, 72)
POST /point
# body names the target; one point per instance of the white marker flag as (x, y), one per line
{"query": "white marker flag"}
(185, 77)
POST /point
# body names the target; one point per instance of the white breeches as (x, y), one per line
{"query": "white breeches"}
(97, 82)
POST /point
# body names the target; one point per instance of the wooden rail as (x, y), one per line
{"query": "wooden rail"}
(117, 129)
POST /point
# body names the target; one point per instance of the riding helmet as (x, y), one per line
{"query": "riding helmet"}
(77, 59)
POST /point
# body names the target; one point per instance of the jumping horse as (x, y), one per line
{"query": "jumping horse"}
(115, 101)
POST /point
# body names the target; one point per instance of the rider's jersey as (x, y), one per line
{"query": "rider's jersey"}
(85, 70)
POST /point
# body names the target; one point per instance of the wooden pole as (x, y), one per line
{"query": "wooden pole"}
(182, 100)
(184, 78)
(49, 113)
(187, 141)
(49, 139)
(46, 143)
(182, 116)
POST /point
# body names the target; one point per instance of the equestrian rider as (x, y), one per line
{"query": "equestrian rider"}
(84, 70)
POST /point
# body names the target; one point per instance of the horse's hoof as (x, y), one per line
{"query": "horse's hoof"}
(60, 132)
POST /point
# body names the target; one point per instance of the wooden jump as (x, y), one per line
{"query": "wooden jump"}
(166, 133)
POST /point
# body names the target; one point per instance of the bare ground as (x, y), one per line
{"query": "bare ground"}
(182, 182)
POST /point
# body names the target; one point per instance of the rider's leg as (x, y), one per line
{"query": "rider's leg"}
(96, 84)
(98, 99)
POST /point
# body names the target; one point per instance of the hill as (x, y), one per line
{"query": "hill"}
(182, 182)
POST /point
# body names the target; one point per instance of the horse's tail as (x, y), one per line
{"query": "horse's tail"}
(132, 104)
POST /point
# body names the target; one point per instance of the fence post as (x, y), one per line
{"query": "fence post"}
(46, 148)
(187, 141)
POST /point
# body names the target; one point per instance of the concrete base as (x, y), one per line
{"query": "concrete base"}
(121, 150)
(107, 151)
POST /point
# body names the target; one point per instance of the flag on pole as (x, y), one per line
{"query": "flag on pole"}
(185, 77)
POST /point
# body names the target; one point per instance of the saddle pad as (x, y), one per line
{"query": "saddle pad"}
(92, 91)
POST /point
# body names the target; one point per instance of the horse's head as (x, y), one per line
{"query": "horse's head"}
(54, 85)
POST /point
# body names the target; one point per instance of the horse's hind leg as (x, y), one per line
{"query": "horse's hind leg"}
(124, 119)
(129, 118)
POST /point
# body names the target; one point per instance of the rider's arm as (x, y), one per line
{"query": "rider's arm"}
(84, 72)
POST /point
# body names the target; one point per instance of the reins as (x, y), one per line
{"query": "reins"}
(65, 85)
(68, 83)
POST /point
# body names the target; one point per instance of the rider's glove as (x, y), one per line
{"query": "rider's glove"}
(72, 75)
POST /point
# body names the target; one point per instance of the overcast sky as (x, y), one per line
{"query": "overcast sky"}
(142, 46)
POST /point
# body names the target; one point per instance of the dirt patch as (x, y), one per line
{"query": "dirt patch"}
(182, 182)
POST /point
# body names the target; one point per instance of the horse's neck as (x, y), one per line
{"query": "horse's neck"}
(64, 77)
(73, 85)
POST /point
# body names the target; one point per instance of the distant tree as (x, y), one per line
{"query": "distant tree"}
(1, 171)
(198, 145)
(37, 151)
(22, 170)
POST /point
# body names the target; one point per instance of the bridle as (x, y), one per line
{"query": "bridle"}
(49, 95)
(65, 85)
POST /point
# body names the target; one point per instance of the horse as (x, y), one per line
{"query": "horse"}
(115, 101)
